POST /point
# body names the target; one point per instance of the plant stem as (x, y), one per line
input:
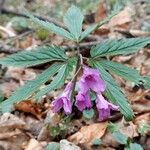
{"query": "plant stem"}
(76, 71)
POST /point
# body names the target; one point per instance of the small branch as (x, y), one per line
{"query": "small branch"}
(44, 18)
(87, 45)
(76, 72)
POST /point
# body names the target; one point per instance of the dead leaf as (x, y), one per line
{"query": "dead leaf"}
(141, 106)
(129, 130)
(20, 74)
(34, 145)
(108, 140)
(122, 18)
(87, 133)
(29, 107)
(142, 119)
(8, 87)
(9, 122)
(66, 145)
(100, 13)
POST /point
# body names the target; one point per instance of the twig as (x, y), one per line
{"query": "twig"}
(87, 45)
(76, 72)
(44, 18)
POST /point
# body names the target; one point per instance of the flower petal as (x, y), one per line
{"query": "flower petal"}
(57, 104)
(67, 106)
(83, 101)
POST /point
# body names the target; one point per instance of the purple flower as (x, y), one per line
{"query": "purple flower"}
(91, 80)
(104, 107)
(83, 101)
(64, 101)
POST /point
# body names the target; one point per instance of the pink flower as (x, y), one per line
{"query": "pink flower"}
(91, 80)
(104, 107)
(64, 101)
(83, 101)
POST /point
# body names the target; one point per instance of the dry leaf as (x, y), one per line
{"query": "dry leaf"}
(34, 145)
(130, 130)
(9, 122)
(29, 107)
(143, 119)
(122, 20)
(100, 13)
(8, 87)
(66, 145)
(87, 133)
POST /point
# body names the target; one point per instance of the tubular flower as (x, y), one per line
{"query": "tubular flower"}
(83, 101)
(64, 101)
(91, 80)
(104, 107)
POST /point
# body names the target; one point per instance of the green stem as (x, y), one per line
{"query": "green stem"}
(76, 72)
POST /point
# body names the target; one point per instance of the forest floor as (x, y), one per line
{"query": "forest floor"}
(32, 126)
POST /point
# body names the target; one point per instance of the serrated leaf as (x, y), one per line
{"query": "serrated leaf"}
(114, 93)
(53, 146)
(135, 146)
(34, 57)
(88, 113)
(93, 27)
(117, 47)
(123, 71)
(119, 137)
(50, 27)
(87, 31)
(57, 82)
(29, 88)
(73, 19)
(147, 82)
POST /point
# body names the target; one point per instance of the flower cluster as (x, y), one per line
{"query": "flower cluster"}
(89, 81)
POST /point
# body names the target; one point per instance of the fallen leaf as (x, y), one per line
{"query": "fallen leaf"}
(101, 11)
(29, 107)
(66, 145)
(87, 133)
(9, 122)
(8, 87)
(122, 20)
(34, 145)
(143, 119)
(129, 130)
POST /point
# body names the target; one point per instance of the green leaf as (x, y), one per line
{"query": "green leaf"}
(135, 146)
(119, 137)
(73, 19)
(88, 113)
(29, 88)
(57, 82)
(54, 131)
(112, 127)
(147, 82)
(87, 31)
(123, 71)
(50, 27)
(34, 57)
(96, 142)
(53, 146)
(93, 27)
(117, 47)
(92, 96)
(114, 93)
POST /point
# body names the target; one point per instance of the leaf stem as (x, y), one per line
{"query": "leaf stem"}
(78, 67)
